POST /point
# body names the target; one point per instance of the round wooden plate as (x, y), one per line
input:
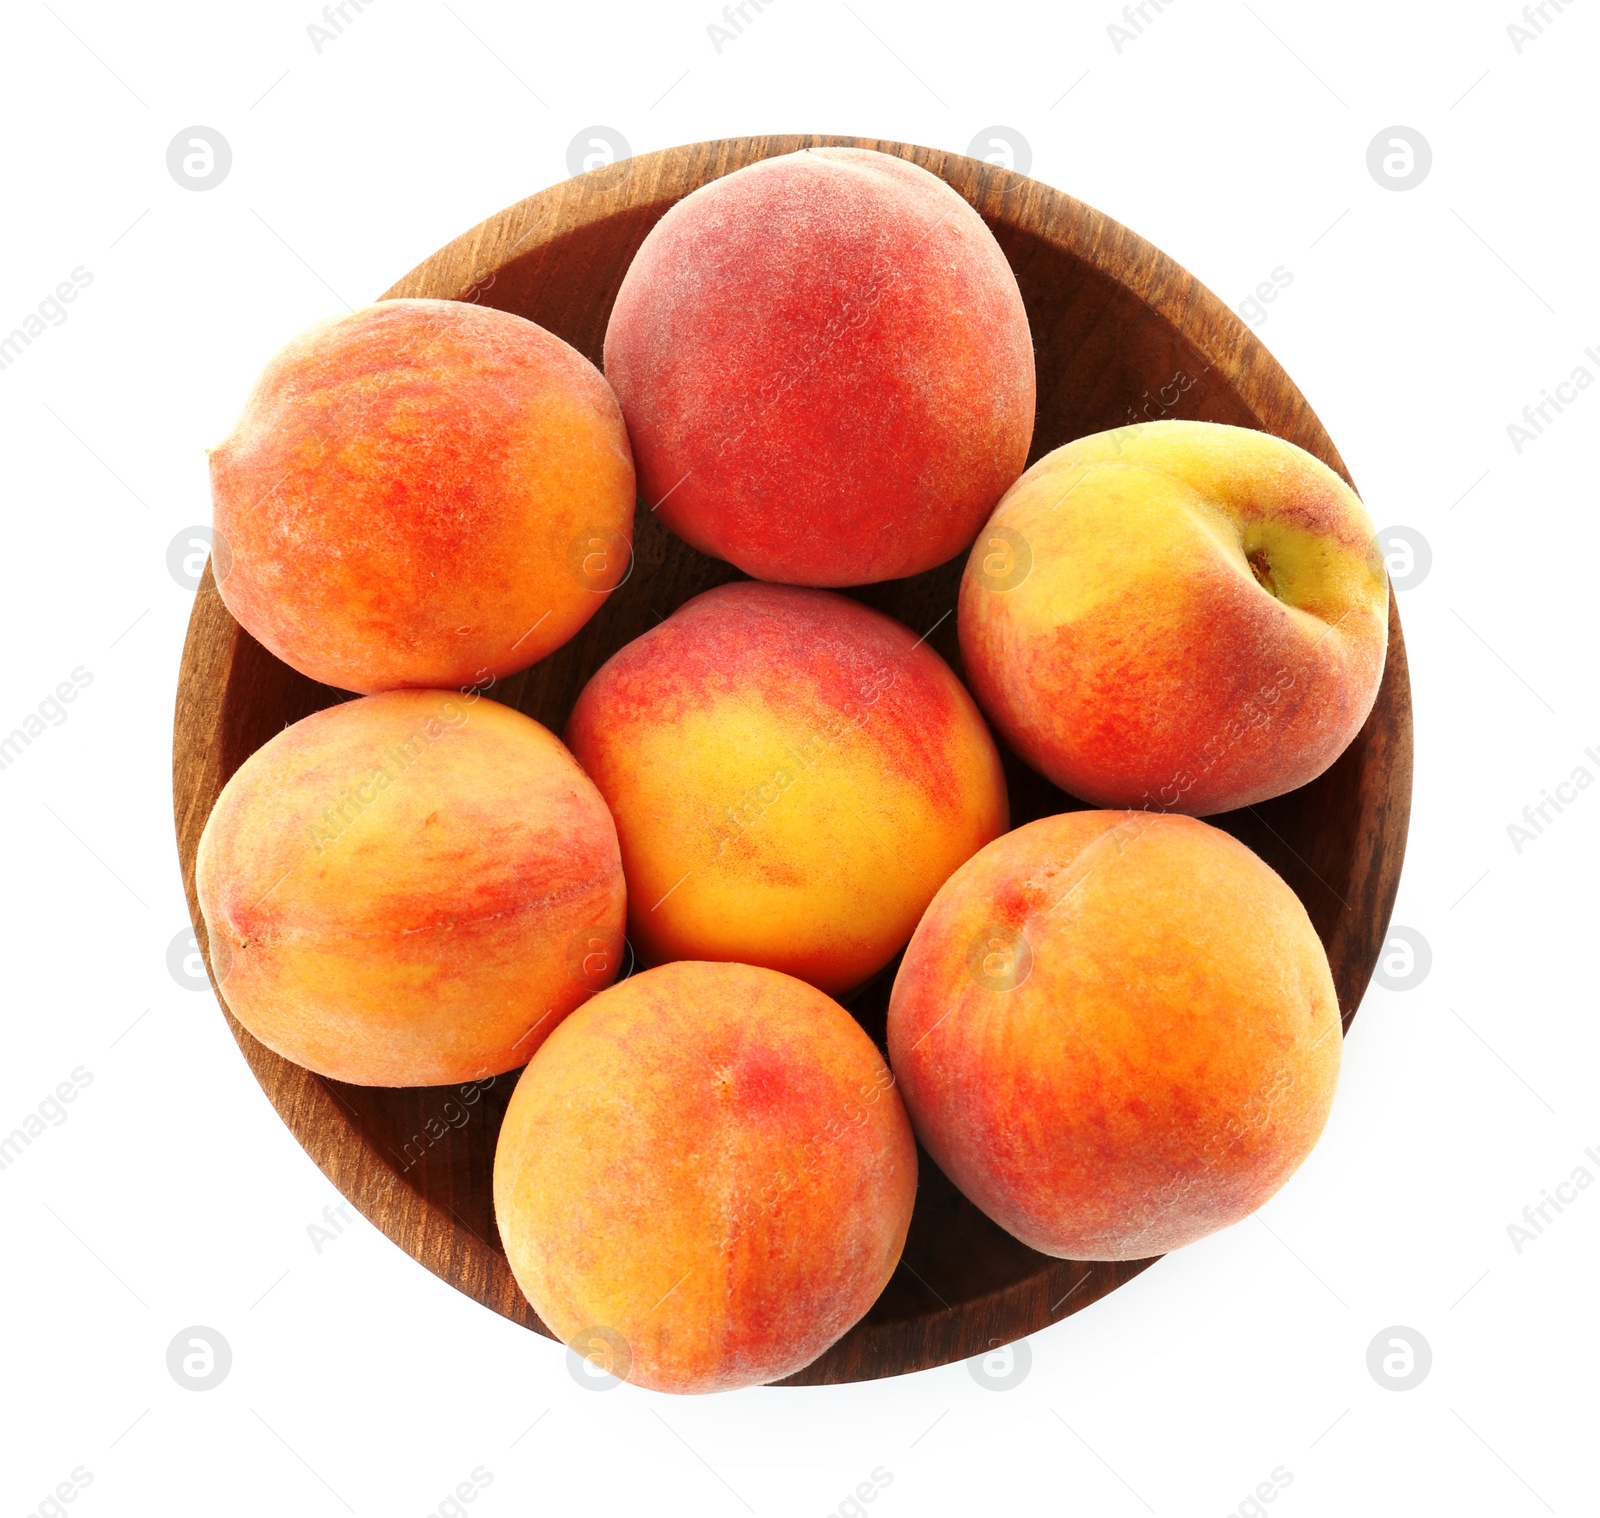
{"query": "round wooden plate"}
(1122, 334)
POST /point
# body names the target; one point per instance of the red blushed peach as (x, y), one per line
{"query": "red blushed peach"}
(410, 889)
(826, 368)
(705, 1177)
(1177, 616)
(793, 776)
(1116, 1032)
(422, 493)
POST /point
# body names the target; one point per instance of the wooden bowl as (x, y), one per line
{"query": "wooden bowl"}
(1118, 327)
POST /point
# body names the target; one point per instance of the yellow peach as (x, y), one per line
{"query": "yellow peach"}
(1176, 616)
(705, 1177)
(422, 493)
(410, 889)
(793, 776)
(1116, 1032)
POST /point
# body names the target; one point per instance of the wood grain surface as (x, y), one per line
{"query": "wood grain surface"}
(1122, 334)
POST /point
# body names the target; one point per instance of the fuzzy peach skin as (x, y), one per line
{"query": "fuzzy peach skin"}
(1177, 616)
(1116, 1032)
(705, 1177)
(793, 776)
(422, 493)
(410, 889)
(826, 368)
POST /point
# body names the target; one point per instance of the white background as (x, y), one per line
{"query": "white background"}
(1419, 324)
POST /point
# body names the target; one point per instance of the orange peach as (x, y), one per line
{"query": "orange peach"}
(705, 1177)
(423, 493)
(793, 776)
(1177, 616)
(826, 368)
(1116, 1032)
(410, 889)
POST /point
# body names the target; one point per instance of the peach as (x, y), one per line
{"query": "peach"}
(410, 889)
(1176, 616)
(422, 493)
(793, 776)
(1116, 1033)
(826, 368)
(705, 1177)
